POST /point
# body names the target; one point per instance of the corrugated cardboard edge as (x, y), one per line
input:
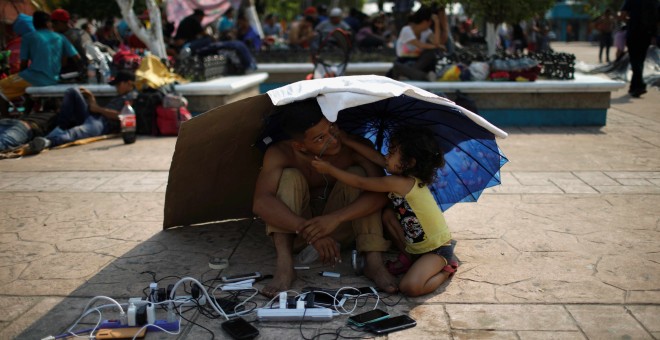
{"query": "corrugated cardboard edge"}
(215, 165)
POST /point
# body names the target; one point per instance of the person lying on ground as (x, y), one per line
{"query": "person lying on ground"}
(289, 193)
(15, 132)
(82, 117)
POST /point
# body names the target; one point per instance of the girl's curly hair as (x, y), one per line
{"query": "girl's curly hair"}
(418, 144)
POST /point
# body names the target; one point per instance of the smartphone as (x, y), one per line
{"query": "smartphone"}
(363, 291)
(390, 325)
(241, 277)
(368, 317)
(240, 329)
(326, 300)
(229, 306)
(121, 333)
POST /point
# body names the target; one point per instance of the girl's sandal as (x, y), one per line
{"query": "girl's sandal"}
(451, 267)
(400, 266)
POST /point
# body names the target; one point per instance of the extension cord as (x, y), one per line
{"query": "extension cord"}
(188, 301)
(168, 326)
(278, 314)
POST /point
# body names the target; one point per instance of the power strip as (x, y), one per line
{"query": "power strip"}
(164, 324)
(279, 314)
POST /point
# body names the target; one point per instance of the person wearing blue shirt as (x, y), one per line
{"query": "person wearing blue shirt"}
(226, 25)
(45, 52)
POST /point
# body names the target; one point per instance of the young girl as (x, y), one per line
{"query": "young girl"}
(413, 158)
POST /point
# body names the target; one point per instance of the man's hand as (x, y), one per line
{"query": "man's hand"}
(321, 166)
(318, 227)
(88, 95)
(328, 250)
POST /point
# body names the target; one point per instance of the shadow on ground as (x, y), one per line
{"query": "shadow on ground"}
(182, 252)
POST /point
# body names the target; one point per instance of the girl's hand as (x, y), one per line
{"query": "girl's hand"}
(321, 166)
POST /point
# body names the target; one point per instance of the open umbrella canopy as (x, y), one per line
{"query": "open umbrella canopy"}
(216, 161)
(472, 157)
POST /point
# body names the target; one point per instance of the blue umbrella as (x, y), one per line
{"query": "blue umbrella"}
(473, 159)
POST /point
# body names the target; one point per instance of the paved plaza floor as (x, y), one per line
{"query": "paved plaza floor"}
(568, 247)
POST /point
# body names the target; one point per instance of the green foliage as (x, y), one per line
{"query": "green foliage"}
(98, 9)
(497, 11)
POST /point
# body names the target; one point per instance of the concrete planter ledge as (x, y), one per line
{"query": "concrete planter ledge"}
(582, 101)
(581, 83)
(202, 96)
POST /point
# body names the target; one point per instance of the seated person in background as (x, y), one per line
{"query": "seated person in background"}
(417, 45)
(18, 131)
(81, 117)
(226, 25)
(271, 27)
(301, 33)
(77, 37)
(45, 51)
(190, 28)
(373, 35)
(108, 34)
(334, 21)
(247, 34)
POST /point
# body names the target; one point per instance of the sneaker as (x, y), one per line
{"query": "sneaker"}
(37, 145)
(637, 93)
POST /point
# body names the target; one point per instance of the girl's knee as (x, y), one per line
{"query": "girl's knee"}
(410, 288)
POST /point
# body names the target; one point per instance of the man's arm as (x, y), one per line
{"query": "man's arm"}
(96, 108)
(266, 204)
(367, 203)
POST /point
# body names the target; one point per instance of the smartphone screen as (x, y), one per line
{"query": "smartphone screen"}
(367, 317)
(327, 300)
(240, 329)
(392, 324)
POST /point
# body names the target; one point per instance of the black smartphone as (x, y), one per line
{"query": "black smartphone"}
(390, 325)
(368, 317)
(322, 299)
(240, 329)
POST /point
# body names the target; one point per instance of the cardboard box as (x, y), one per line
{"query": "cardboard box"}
(215, 164)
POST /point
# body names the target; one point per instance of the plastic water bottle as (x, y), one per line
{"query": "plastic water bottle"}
(91, 74)
(128, 123)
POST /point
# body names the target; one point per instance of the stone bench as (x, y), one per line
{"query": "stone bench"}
(582, 101)
(202, 96)
(292, 72)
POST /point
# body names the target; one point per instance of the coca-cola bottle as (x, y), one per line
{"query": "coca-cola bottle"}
(128, 123)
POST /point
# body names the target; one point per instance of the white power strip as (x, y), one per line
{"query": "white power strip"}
(278, 314)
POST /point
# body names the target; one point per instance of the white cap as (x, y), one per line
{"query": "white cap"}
(335, 12)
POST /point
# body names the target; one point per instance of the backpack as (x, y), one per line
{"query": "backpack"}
(172, 113)
(145, 106)
(126, 60)
(169, 119)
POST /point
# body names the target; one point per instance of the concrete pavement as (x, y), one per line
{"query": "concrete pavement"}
(566, 248)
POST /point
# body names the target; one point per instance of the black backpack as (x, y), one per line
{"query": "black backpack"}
(145, 110)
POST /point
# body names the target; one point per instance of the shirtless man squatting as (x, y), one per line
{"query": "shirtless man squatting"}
(296, 202)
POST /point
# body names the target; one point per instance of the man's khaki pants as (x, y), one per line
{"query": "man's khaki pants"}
(367, 231)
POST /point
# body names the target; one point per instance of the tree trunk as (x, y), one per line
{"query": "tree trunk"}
(491, 38)
(152, 37)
